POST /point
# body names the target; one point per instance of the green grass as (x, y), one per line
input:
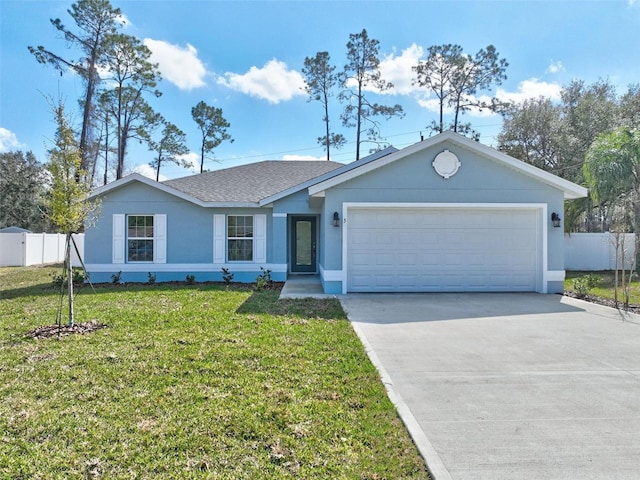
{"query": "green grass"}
(188, 382)
(605, 285)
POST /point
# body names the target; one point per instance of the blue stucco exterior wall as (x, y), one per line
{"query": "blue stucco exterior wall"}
(186, 222)
(189, 238)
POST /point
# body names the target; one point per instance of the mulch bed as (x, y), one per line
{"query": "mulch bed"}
(607, 302)
(49, 331)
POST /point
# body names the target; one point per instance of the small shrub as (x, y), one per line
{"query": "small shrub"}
(190, 279)
(152, 278)
(263, 280)
(78, 277)
(583, 285)
(227, 276)
(116, 278)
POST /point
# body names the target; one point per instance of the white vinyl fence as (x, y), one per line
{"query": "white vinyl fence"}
(582, 251)
(596, 251)
(24, 249)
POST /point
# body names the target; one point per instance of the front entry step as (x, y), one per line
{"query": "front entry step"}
(303, 286)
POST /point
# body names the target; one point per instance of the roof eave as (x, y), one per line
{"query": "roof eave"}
(297, 188)
(136, 177)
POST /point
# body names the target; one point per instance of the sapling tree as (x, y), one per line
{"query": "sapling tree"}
(68, 202)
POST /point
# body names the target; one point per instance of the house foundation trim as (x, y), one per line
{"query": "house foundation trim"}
(185, 267)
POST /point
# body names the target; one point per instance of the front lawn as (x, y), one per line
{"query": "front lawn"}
(604, 285)
(193, 381)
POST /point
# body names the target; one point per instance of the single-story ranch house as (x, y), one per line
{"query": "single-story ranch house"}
(444, 214)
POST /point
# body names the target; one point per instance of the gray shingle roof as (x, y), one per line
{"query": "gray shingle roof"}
(252, 182)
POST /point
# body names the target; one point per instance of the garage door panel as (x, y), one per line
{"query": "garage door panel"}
(430, 259)
(452, 259)
(425, 249)
(362, 260)
(384, 260)
(408, 260)
(384, 239)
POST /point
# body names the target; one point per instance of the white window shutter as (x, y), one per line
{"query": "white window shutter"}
(219, 238)
(117, 252)
(160, 238)
(260, 239)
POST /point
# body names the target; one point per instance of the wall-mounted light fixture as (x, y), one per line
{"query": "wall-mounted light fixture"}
(555, 218)
(336, 219)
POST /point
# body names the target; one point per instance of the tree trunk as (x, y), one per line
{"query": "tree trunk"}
(636, 226)
(441, 111)
(69, 278)
(202, 153)
(326, 122)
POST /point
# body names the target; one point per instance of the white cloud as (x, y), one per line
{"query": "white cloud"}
(274, 82)
(398, 69)
(433, 105)
(9, 141)
(147, 171)
(528, 89)
(192, 159)
(555, 67)
(302, 157)
(180, 66)
(531, 88)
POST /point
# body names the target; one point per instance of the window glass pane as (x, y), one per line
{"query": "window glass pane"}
(240, 238)
(140, 238)
(140, 250)
(240, 250)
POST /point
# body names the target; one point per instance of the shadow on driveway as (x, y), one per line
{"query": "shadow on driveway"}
(430, 307)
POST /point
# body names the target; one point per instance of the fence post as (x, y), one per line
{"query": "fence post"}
(23, 254)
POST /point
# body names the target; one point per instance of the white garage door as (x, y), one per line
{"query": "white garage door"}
(442, 249)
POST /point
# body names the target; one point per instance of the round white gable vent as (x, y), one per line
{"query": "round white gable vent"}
(446, 164)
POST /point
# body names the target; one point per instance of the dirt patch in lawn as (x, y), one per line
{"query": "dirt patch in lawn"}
(49, 331)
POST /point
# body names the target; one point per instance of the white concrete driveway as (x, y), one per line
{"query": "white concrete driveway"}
(509, 386)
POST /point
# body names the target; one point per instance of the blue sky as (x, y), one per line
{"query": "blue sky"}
(246, 57)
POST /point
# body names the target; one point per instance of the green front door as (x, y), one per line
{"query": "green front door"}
(303, 245)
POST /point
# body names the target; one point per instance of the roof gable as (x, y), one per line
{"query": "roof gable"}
(570, 189)
(137, 178)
